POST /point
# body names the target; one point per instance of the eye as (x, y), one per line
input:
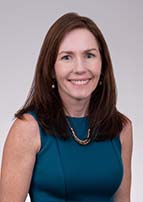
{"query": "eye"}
(66, 57)
(90, 55)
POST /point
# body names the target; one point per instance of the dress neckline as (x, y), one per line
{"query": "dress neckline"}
(77, 118)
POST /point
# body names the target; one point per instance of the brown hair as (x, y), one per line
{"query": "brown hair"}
(104, 119)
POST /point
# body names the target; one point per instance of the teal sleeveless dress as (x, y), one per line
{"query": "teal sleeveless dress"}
(65, 171)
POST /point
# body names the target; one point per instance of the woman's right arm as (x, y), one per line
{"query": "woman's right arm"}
(21, 146)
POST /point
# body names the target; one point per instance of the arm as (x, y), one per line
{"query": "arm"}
(123, 192)
(19, 154)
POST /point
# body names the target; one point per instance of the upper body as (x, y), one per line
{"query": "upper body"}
(18, 166)
(82, 85)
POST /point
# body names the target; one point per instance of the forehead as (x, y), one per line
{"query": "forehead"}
(80, 38)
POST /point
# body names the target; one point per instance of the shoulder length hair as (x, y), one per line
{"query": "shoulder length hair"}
(105, 121)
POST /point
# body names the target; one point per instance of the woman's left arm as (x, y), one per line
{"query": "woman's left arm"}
(123, 192)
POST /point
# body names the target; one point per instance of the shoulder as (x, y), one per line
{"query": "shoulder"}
(19, 155)
(25, 132)
(126, 138)
(126, 133)
(123, 192)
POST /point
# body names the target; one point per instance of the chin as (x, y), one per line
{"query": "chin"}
(82, 97)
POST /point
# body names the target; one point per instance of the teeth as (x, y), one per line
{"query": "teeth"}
(80, 82)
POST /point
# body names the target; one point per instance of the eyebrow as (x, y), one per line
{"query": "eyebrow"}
(70, 52)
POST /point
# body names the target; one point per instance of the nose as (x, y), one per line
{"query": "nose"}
(79, 66)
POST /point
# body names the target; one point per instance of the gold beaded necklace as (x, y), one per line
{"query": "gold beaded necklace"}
(77, 139)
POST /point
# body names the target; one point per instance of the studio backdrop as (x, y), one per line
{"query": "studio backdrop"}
(23, 25)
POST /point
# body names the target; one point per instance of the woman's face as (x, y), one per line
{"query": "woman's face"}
(78, 65)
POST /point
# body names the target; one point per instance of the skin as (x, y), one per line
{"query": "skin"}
(19, 153)
(77, 70)
(123, 192)
(18, 159)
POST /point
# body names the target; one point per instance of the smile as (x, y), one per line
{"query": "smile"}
(80, 82)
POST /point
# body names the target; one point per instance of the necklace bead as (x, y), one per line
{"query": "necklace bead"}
(77, 139)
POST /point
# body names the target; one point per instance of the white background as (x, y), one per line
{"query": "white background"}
(23, 25)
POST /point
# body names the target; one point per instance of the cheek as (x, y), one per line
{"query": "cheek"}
(97, 66)
(97, 71)
(60, 75)
(61, 71)
(58, 72)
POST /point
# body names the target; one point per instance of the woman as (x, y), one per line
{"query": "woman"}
(69, 142)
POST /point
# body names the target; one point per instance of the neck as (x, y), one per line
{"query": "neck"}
(77, 108)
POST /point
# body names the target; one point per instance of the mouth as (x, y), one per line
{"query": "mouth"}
(79, 81)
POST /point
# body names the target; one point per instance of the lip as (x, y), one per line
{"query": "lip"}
(80, 79)
(79, 82)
